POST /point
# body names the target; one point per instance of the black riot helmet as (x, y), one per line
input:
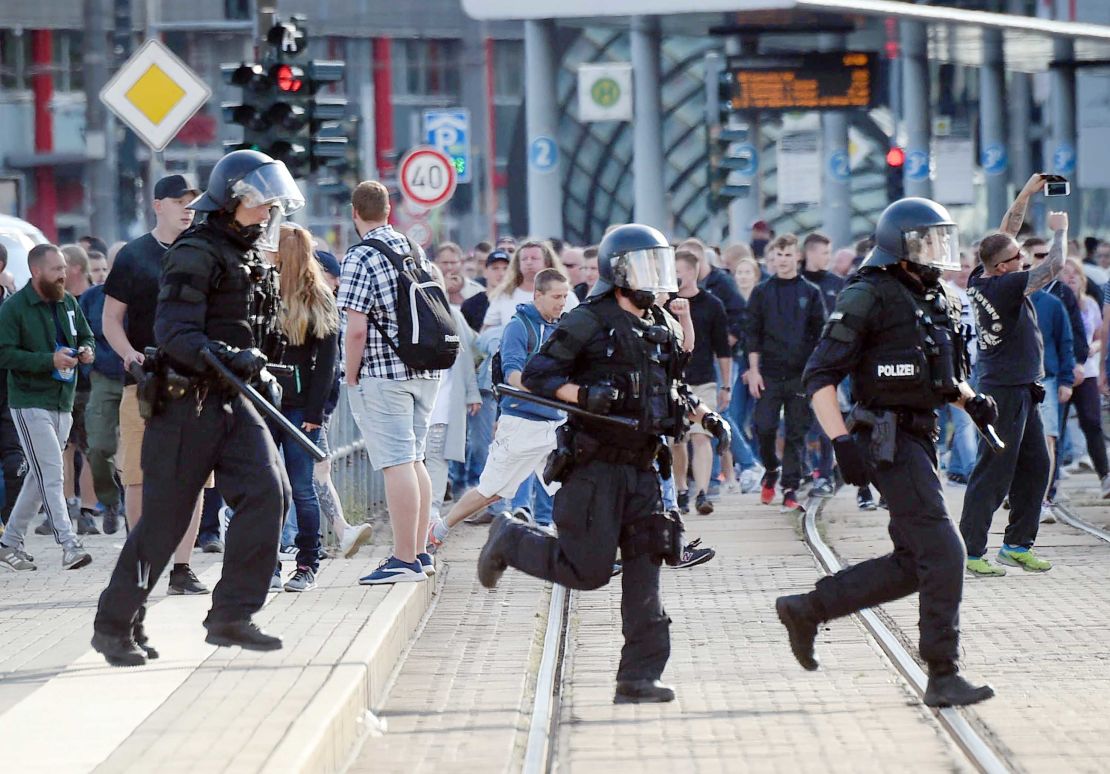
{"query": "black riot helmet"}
(918, 231)
(254, 179)
(635, 257)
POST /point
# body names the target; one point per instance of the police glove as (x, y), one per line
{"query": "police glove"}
(598, 398)
(982, 409)
(244, 363)
(716, 425)
(853, 469)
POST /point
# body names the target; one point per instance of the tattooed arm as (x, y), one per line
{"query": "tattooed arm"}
(1041, 275)
(1015, 216)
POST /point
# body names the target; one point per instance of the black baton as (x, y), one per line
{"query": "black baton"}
(570, 408)
(263, 405)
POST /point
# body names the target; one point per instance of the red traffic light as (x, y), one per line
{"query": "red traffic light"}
(287, 77)
(895, 157)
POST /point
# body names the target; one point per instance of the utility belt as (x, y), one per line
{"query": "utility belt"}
(660, 535)
(157, 383)
(883, 425)
(575, 448)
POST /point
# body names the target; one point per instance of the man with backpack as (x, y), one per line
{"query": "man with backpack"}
(526, 431)
(398, 342)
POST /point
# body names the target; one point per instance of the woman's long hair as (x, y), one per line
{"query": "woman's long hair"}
(307, 306)
(514, 278)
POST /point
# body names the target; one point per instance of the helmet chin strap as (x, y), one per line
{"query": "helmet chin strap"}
(641, 299)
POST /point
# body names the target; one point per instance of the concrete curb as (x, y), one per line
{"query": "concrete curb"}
(331, 724)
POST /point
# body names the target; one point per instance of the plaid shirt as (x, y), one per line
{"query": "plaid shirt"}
(369, 285)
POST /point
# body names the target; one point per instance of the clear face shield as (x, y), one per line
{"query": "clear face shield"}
(270, 184)
(652, 269)
(934, 246)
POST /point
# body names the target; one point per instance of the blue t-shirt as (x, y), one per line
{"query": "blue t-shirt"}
(1011, 351)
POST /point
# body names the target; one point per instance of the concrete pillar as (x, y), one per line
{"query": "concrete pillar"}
(992, 131)
(1019, 104)
(545, 192)
(836, 193)
(101, 170)
(650, 204)
(1063, 142)
(744, 211)
(474, 99)
(915, 92)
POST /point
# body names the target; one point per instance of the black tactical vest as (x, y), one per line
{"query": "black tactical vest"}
(912, 357)
(640, 357)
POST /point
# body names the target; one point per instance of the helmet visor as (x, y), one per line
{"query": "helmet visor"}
(271, 230)
(269, 184)
(935, 246)
(651, 269)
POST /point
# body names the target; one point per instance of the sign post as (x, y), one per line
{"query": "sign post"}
(427, 177)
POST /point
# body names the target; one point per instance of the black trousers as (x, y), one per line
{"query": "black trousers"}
(180, 449)
(928, 554)
(1020, 471)
(1084, 399)
(786, 396)
(12, 461)
(589, 510)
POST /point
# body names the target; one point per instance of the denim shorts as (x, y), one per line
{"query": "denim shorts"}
(1050, 407)
(392, 415)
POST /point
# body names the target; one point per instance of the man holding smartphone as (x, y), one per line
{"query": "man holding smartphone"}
(1011, 370)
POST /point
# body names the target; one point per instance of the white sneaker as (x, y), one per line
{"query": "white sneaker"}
(732, 487)
(1048, 516)
(750, 478)
(355, 538)
(1081, 465)
(287, 553)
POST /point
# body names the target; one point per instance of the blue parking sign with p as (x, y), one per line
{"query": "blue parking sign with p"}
(449, 131)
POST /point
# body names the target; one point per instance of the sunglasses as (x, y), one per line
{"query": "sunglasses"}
(1040, 255)
(1012, 258)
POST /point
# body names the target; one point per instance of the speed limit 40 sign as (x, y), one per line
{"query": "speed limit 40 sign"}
(427, 177)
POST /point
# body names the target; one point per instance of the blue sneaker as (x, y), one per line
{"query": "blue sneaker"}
(428, 563)
(393, 570)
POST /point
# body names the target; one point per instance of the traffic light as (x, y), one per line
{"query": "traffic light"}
(282, 112)
(732, 163)
(895, 164)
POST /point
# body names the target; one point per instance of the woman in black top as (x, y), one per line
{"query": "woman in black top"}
(310, 322)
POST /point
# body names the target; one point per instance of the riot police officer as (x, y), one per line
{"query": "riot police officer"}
(617, 354)
(895, 332)
(211, 299)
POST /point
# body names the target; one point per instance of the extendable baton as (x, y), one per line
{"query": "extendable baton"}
(990, 435)
(570, 408)
(263, 405)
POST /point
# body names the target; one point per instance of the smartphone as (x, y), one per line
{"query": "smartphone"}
(1062, 188)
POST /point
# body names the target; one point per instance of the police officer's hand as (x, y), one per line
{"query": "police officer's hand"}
(247, 363)
(715, 424)
(982, 409)
(853, 469)
(598, 398)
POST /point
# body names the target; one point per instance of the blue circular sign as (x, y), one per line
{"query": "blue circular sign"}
(745, 152)
(840, 167)
(993, 159)
(917, 166)
(1063, 159)
(543, 154)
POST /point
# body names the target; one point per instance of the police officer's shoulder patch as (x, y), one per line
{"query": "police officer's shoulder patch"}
(853, 306)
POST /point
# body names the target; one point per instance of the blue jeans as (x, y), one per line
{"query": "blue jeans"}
(299, 465)
(964, 443)
(739, 411)
(479, 436)
(534, 497)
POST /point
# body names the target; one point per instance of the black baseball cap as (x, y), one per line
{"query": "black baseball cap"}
(497, 255)
(173, 186)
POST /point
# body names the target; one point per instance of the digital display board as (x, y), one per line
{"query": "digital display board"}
(813, 81)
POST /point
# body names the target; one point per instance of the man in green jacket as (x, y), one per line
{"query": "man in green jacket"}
(43, 336)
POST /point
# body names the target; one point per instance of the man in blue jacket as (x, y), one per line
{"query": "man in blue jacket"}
(525, 432)
(1059, 372)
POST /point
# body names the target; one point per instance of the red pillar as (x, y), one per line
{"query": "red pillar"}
(383, 106)
(45, 207)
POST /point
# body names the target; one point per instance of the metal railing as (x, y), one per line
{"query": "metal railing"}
(361, 489)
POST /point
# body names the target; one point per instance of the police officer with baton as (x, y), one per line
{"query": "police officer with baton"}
(617, 354)
(212, 279)
(895, 331)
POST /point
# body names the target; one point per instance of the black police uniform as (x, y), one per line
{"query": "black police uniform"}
(214, 285)
(611, 497)
(899, 341)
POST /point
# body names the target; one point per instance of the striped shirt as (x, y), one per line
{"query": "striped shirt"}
(368, 284)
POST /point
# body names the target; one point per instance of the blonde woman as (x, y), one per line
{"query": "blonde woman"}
(310, 322)
(518, 287)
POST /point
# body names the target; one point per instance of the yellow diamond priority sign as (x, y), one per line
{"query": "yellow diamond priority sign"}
(155, 93)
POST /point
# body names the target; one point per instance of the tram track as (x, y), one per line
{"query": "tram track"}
(1069, 517)
(977, 749)
(543, 725)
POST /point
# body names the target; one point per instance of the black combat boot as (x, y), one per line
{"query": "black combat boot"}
(642, 692)
(493, 559)
(948, 688)
(797, 615)
(243, 633)
(118, 650)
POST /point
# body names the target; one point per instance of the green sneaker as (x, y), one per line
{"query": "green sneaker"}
(1026, 560)
(983, 568)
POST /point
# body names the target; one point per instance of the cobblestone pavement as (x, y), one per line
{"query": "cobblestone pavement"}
(1042, 640)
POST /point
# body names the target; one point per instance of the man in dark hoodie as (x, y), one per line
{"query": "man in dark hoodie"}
(816, 255)
(785, 317)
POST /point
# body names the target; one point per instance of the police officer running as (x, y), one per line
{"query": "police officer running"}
(213, 280)
(617, 354)
(895, 332)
